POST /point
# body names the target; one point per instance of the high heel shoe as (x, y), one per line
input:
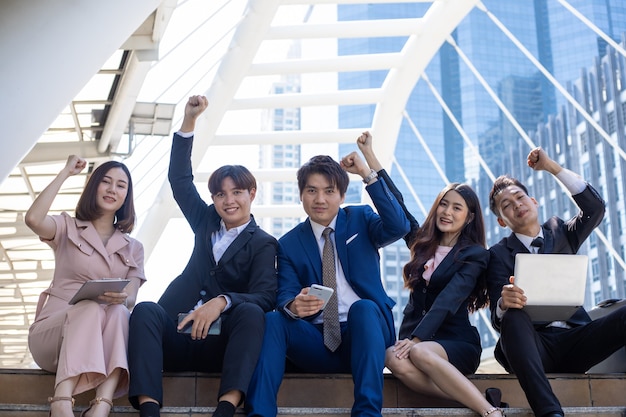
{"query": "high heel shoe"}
(494, 397)
(96, 401)
(55, 399)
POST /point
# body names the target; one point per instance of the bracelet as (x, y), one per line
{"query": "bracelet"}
(492, 410)
(373, 174)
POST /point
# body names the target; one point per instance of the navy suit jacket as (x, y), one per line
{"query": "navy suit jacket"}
(559, 237)
(359, 233)
(246, 273)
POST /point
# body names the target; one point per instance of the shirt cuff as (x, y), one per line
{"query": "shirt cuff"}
(229, 303)
(289, 312)
(185, 135)
(572, 181)
(499, 311)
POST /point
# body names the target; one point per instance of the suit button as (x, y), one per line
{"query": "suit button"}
(424, 290)
(423, 312)
(212, 273)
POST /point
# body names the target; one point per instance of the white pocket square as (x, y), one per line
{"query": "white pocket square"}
(351, 238)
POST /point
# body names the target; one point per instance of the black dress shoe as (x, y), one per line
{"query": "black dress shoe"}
(494, 397)
(552, 415)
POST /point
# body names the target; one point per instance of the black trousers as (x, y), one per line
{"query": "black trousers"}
(531, 352)
(154, 346)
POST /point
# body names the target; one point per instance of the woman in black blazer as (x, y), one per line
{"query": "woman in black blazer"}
(437, 345)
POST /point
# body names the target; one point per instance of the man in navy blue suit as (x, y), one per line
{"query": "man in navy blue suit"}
(527, 348)
(296, 330)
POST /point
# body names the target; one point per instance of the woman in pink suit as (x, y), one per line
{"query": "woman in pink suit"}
(85, 344)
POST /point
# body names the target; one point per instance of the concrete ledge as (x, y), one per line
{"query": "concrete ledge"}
(191, 389)
(123, 411)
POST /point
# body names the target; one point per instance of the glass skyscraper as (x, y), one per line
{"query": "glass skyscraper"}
(558, 39)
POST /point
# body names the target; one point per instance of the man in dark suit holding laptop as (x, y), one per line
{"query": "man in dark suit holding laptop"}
(231, 276)
(532, 349)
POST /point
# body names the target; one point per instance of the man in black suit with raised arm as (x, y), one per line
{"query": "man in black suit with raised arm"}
(231, 276)
(532, 349)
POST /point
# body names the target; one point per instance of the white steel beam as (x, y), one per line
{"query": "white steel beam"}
(338, 64)
(287, 137)
(292, 101)
(348, 29)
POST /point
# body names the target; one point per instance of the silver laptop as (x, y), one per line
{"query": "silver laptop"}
(554, 284)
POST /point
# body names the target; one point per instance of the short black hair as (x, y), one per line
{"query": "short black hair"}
(240, 175)
(329, 168)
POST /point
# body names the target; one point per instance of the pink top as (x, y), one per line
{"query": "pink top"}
(433, 263)
(81, 256)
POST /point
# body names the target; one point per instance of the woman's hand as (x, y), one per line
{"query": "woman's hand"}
(110, 297)
(74, 165)
(364, 142)
(36, 217)
(402, 348)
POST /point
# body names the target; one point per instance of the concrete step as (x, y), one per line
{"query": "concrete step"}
(188, 392)
(29, 410)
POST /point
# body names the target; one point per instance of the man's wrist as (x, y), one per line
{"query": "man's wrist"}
(289, 312)
(370, 177)
(227, 300)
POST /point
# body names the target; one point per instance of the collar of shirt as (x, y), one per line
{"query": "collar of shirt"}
(527, 240)
(219, 234)
(318, 229)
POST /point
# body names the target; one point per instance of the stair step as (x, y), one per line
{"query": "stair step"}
(194, 394)
(30, 410)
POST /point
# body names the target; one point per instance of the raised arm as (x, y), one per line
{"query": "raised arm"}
(539, 160)
(364, 142)
(180, 173)
(194, 108)
(37, 218)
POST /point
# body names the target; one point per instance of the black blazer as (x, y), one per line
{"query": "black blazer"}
(439, 310)
(559, 237)
(246, 272)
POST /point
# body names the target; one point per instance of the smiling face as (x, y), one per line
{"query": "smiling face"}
(112, 191)
(452, 215)
(517, 210)
(320, 199)
(233, 203)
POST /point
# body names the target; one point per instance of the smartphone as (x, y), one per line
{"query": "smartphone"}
(321, 292)
(214, 330)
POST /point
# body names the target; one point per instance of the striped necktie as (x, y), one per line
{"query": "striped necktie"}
(332, 330)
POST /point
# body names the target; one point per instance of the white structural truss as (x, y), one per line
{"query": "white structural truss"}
(72, 74)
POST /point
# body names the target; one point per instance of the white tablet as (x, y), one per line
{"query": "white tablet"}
(94, 288)
(554, 284)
